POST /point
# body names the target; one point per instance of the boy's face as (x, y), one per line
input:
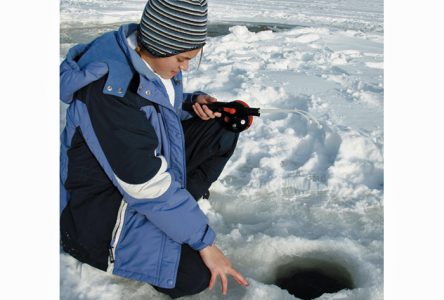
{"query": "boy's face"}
(168, 67)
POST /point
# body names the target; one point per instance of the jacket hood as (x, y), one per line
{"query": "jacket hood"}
(107, 54)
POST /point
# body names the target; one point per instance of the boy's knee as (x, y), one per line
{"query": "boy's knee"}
(193, 276)
(197, 281)
(200, 282)
(192, 285)
(227, 139)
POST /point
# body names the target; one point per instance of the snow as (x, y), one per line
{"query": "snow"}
(294, 192)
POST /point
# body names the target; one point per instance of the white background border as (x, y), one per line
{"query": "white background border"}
(29, 115)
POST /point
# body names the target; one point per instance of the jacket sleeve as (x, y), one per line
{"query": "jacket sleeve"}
(125, 144)
(72, 78)
(189, 98)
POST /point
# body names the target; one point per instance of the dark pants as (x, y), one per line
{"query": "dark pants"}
(209, 146)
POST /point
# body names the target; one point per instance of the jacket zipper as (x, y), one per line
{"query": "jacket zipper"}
(184, 165)
(116, 235)
(162, 250)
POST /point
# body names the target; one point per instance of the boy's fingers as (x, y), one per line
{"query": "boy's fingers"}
(238, 277)
(204, 112)
(198, 109)
(240, 281)
(208, 111)
(212, 280)
(224, 281)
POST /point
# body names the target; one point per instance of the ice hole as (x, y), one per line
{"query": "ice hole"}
(222, 28)
(308, 278)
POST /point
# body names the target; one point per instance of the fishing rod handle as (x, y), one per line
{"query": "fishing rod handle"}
(237, 115)
(213, 106)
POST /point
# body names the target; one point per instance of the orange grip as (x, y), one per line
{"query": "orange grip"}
(229, 110)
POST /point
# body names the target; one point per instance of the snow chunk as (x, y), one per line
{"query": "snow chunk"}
(360, 162)
(375, 65)
(307, 38)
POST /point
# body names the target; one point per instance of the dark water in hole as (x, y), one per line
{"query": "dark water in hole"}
(310, 284)
(84, 34)
(310, 278)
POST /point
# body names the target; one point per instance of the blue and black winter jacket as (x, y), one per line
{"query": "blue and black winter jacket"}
(124, 206)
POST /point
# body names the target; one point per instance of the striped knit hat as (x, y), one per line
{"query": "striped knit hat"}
(170, 27)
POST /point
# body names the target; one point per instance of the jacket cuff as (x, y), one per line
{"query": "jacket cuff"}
(207, 239)
(189, 98)
(195, 94)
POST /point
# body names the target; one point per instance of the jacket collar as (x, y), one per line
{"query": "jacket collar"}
(123, 63)
(151, 86)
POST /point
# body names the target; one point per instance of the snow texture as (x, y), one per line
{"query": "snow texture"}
(293, 193)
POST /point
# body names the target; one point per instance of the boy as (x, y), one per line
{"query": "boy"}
(133, 163)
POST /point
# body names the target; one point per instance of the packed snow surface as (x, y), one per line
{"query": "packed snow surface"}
(294, 192)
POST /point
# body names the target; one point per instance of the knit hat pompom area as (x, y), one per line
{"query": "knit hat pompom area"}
(170, 27)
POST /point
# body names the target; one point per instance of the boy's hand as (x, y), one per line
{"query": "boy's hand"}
(219, 265)
(202, 111)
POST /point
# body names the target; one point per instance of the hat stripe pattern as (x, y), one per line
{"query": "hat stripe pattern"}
(178, 7)
(173, 19)
(161, 41)
(162, 22)
(169, 27)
